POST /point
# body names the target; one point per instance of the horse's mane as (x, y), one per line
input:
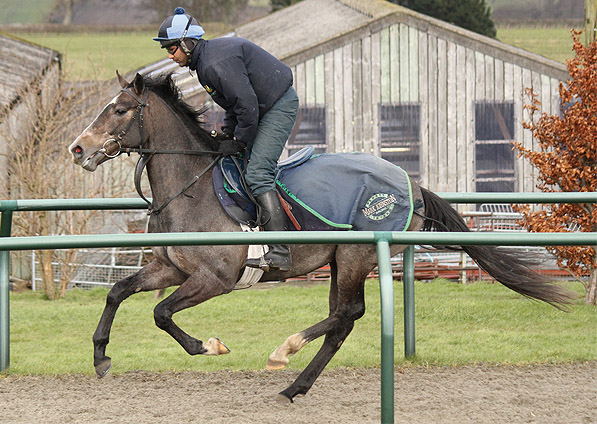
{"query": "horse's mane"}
(164, 86)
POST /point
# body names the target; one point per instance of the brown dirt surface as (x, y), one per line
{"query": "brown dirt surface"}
(471, 394)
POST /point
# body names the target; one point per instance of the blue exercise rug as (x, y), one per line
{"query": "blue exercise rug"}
(341, 191)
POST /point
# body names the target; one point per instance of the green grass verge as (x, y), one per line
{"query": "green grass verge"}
(455, 325)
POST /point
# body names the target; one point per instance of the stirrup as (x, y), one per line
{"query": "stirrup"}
(266, 265)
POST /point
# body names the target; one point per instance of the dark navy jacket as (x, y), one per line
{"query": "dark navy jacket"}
(242, 78)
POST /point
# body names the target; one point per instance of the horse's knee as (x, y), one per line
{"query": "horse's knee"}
(162, 316)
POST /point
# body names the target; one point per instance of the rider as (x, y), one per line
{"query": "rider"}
(255, 90)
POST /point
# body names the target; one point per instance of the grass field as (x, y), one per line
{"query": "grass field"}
(97, 56)
(552, 42)
(92, 56)
(25, 11)
(455, 324)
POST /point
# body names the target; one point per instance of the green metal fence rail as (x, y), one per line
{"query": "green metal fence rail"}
(381, 239)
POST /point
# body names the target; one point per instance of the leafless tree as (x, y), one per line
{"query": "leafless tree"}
(39, 166)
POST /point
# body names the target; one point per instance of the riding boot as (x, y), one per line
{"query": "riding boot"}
(278, 256)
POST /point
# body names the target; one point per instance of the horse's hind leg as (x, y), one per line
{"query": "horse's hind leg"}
(279, 358)
(347, 304)
(151, 277)
(331, 344)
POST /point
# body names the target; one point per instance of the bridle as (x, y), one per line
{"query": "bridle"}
(147, 154)
(141, 104)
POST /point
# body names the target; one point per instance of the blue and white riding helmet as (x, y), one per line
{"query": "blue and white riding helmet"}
(177, 27)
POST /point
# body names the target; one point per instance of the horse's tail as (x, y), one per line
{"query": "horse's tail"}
(508, 267)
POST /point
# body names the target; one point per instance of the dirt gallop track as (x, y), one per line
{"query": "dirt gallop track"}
(530, 394)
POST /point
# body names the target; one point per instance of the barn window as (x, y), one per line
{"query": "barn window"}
(494, 157)
(309, 130)
(399, 135)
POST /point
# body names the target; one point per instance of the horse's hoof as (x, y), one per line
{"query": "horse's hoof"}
(283, 399)
(215, 347)
(103, 367)
(274, 364)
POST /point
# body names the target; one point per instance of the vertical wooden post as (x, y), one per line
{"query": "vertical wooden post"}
(463, 264)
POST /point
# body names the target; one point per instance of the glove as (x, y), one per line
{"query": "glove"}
(231, 147)
(221, 136)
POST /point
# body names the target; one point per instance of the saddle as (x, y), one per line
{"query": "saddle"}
(325, 192)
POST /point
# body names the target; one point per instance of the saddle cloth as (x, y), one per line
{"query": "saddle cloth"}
(341, 191)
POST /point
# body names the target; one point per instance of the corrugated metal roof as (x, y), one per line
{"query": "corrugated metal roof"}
(21, 63)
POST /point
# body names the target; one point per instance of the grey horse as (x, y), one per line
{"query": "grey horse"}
(149, 115)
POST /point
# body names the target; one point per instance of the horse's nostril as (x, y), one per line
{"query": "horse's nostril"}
(77, 150)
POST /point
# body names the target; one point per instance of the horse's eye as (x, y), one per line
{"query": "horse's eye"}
(120, 112)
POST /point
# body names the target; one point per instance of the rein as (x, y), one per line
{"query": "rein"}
(141, 151)
(147, 154)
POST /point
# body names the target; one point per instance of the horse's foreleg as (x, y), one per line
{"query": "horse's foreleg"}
(153, 276)
(199, 287)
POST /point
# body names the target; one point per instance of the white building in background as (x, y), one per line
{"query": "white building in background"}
(440, 101)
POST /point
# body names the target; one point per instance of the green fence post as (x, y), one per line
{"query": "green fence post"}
(408, 264)
(386, 284)
(5, 229)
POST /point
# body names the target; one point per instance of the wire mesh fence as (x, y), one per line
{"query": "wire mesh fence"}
(95, 268)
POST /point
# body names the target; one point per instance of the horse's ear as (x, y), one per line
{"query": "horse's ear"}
(123, 83)
(139, 84)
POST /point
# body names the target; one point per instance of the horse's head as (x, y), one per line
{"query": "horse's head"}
(120, 124)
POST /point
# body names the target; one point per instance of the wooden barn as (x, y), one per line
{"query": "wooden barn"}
(440, 101)
(26, 71)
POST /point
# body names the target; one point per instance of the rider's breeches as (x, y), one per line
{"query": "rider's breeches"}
(273, 132)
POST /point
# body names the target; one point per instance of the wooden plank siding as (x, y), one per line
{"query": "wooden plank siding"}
(336, 144)
(518, 98)
(460, 113)
(451, 117)
(414, 65)
(432, 65)
(470, 120)
(357, 93)
(367, 80)
(402, 63)
(441, 104)
(423, 93)
(376, 87)
(347, 142)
